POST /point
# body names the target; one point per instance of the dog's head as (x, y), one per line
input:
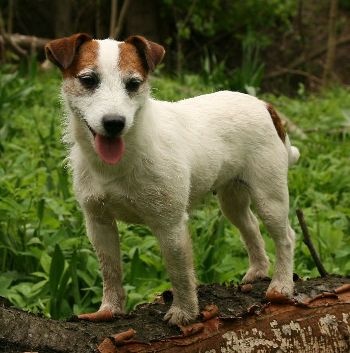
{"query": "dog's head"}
(104, 85)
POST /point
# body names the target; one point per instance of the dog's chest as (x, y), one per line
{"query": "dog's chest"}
(124, 207)
(134, 202)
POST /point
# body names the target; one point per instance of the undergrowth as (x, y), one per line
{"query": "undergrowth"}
(47, 264)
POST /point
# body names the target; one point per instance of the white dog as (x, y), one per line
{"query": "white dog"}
(145, 161)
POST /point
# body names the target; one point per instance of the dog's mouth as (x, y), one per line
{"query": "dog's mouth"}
(109, 148)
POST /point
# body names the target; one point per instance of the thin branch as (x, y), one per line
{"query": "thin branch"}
(190, 12)
(308, 242)
(287, 70)
(301, 59)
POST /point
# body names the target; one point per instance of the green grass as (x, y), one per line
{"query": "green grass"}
(46, 262)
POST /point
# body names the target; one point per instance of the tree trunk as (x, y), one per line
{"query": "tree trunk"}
(63, 18)
(98, 24)
(318, 320)
(113, 17)
(332, 42)
(143, 18)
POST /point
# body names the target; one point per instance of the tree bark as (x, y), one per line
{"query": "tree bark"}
(317, 320)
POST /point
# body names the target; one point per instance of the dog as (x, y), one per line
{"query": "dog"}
(140, 160)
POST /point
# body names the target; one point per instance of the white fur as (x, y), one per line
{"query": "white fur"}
(175, 154)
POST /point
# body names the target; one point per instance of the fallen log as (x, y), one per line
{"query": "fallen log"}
(29, 42)
(23, 44)
(317, 320)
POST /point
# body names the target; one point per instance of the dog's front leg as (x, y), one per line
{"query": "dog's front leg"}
(176, 247)
(103, 234)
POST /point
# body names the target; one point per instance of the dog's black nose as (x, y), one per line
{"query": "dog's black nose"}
(113, 124)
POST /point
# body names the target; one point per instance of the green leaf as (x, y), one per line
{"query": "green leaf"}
(56, 269)
(45, 262)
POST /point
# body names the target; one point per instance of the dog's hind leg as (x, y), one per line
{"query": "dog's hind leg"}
(234, 200)
(176, 247)
(269, 192)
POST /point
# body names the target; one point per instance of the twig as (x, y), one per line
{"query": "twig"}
(287, 70)
(308, 242)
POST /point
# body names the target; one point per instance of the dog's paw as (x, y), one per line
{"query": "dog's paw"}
(106, 312)
(98, 316)
(254, 274)
(280, 292)
(178, 316)
(114, 309)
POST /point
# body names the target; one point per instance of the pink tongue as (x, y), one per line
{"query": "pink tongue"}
(109, 149)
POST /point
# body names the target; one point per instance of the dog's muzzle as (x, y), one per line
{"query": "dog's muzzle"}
(113, 124)
(109, 145)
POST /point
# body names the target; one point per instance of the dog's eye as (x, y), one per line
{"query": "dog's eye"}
(133, 84)
(89, 80)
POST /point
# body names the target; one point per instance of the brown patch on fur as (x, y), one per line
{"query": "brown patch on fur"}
(277, 122)
(130, 60)
(62, 51)
(86, 57)
(151, 53)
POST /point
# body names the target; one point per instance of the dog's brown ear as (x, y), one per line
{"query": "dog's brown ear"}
(62, 51)
(151, 53)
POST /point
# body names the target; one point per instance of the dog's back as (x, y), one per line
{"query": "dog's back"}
(217, 137)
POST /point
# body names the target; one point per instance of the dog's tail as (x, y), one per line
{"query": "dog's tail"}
(293, 152)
